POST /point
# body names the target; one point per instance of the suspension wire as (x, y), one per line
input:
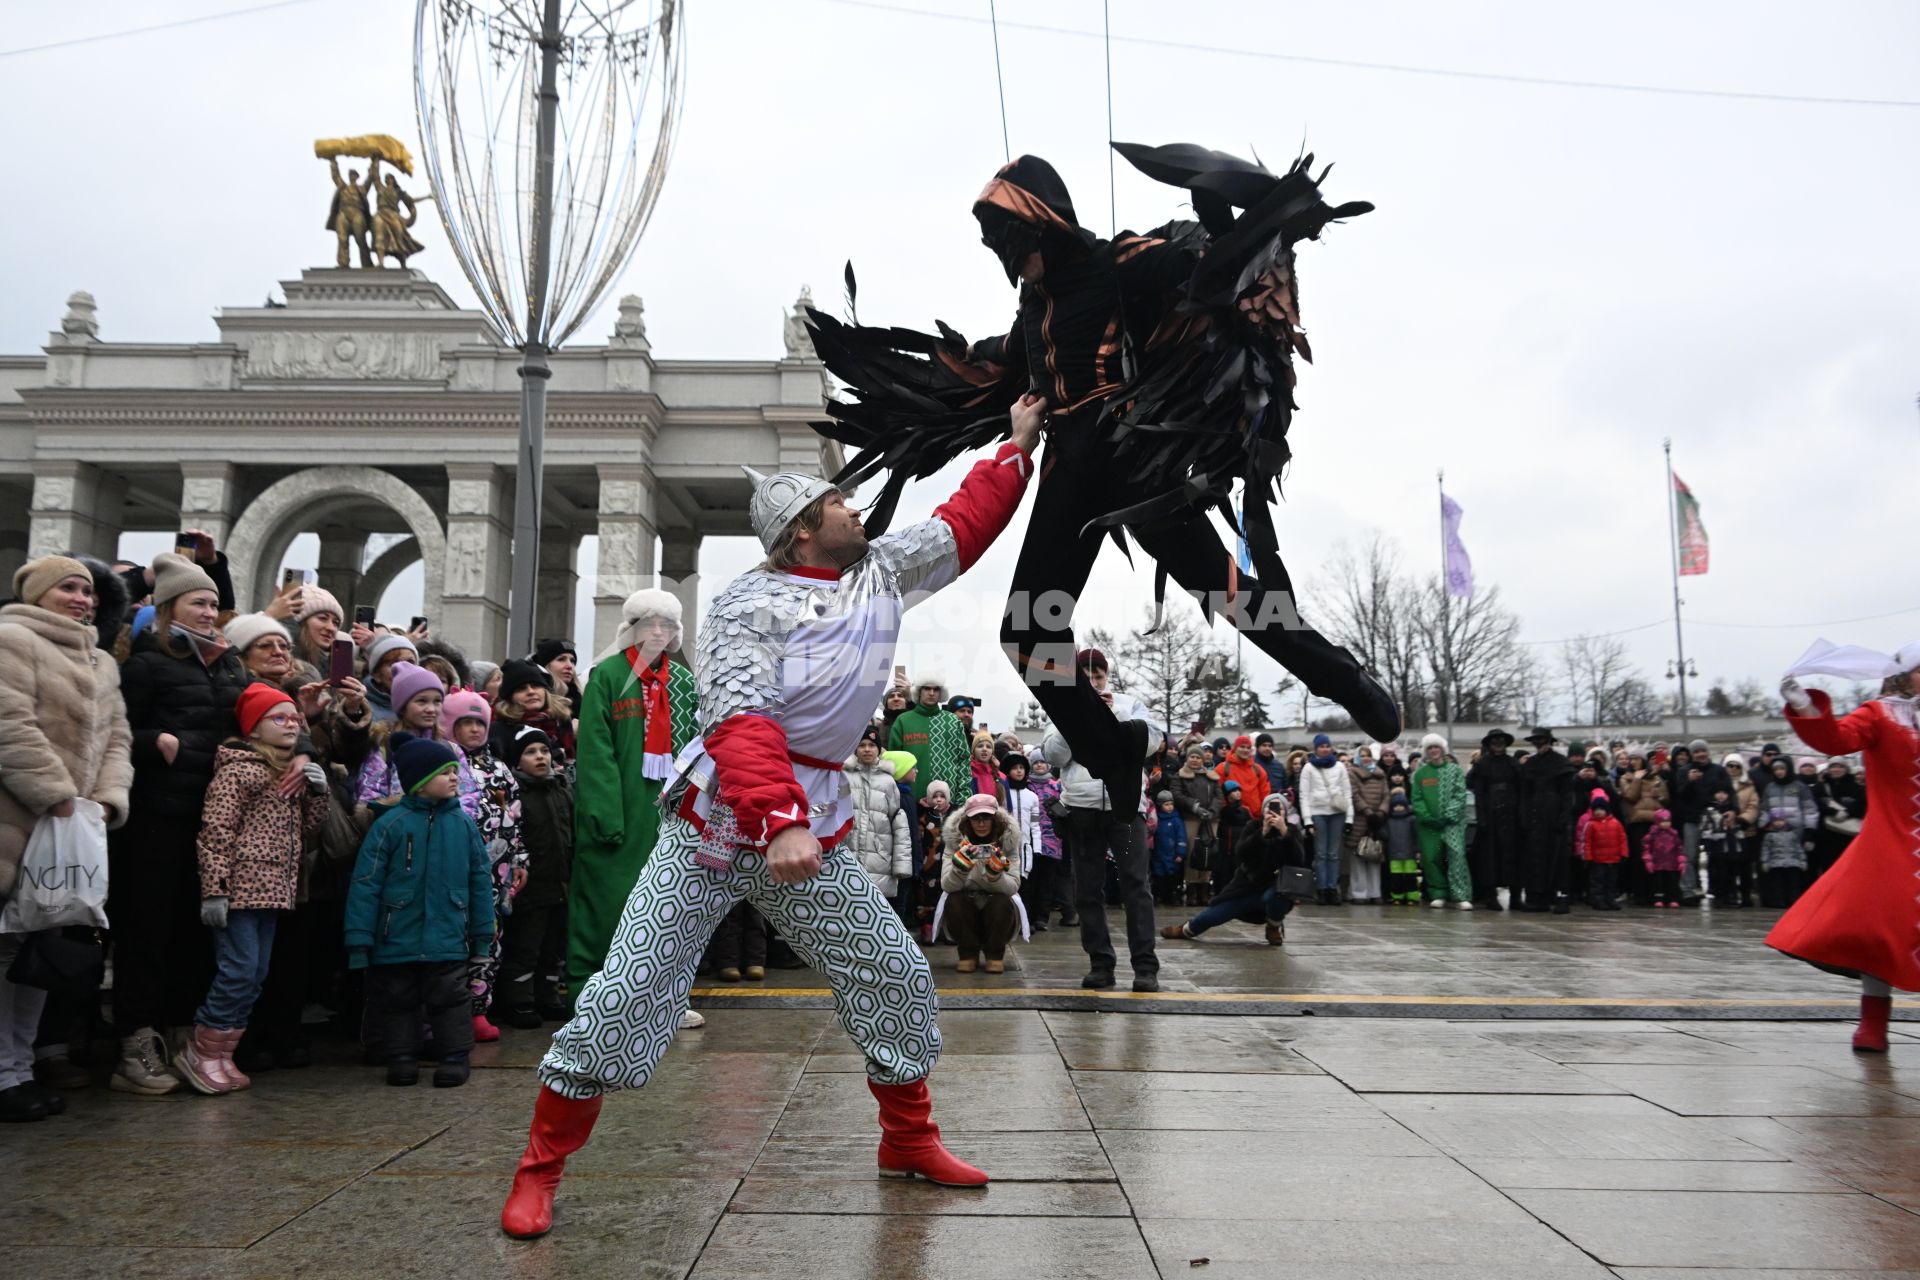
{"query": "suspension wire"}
(993, 17)
(1113, 206)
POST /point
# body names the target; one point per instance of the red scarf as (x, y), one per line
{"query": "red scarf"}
(659, 740)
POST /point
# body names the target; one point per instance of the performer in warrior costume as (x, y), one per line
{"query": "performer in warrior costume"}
(1166, 361)
(793, 658)
(1862, 918)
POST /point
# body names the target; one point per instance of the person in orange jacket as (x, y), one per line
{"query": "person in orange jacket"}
(1241, 767)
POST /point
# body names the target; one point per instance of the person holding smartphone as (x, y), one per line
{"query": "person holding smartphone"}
(180, 686)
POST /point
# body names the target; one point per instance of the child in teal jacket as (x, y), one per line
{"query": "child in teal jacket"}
(420, 906)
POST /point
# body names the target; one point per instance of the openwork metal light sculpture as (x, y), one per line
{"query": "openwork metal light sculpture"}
(546, 127)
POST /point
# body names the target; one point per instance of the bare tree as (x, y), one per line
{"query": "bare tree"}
(1370, 605)
(1164, 664)
(1631, 701)
(1228, 698)
(1472, 650)
(1593, 667)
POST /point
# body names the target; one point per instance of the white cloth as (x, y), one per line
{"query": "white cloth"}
(1854, 662)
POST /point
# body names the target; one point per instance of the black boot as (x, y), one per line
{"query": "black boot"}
(403, 1071)
(452, 1072)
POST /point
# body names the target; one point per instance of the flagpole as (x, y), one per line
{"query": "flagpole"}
(1673, 546)
(1446, 602)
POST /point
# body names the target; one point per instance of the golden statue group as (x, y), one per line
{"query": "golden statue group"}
(382, 233)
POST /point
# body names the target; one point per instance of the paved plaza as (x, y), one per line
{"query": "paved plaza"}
(1514, 1126)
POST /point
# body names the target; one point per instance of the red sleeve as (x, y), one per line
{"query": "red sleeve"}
(1819, 730)
(749, 754)
(985, 501)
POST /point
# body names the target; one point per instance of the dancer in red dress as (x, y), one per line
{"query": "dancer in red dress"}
(1862, 918)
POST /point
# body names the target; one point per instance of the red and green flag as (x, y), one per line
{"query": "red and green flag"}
(1688, 531)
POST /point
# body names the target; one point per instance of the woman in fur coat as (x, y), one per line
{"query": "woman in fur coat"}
(63, 737)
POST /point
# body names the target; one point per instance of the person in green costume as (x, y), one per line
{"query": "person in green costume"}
(637, 712)
(1440, 807)
(935, 737)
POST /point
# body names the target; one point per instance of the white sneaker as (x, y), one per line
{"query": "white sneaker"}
(1464, 906)
(692, 1020)
(143, 1066)
(1438, 904)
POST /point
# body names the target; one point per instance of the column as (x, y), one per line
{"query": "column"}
(76, 507)
(343, 559)
(680, 574)
(13, 538)
(479, 541)
(559, 587)
(209, 498)
(626, 532)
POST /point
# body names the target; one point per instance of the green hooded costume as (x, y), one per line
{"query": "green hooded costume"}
(616, 815)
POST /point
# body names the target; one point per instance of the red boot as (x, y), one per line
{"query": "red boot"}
(484, 1032)
(1871, 1035)
(561, 1127)
(910, 1140)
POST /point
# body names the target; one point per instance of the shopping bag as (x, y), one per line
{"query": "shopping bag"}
(63, 874)
(1370, 850)
(69, 962)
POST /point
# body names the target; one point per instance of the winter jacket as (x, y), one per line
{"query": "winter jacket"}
(546, 827)
(1323, 791)
(1370, 796)
(1583, 789)
(937, 740)
(1006, 840)
(252, 837)
(1276, 767)
(192, 702)
(1791, 804)
(983, 779)
(499, 806)
(421, 888)
(63, 728)
(1046, 789)
(1258, 856)
(1023, 806)
(1403, 836)
(1439, 795)
(1746, 807)
(1169, 844)
(882, 837)
(1254, 787)
(1197, 797)
(1662, 850)
(379, 780)
(1643, 796)
(616, 805)
(1601, 839)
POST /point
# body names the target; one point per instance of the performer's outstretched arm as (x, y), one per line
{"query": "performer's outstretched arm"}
(985, 501)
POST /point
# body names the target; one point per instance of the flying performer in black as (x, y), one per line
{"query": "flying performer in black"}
(1166, 361)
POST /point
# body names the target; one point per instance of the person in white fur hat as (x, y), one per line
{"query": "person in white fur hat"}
(637, 712)
(934, 736)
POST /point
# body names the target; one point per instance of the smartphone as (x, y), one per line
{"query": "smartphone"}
(340, 662)
(293, 578)
(203, 546)
(419, 622)
(186, 544)
(363, 615)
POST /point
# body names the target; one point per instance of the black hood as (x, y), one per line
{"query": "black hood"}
(110, 601)
(1026, 208)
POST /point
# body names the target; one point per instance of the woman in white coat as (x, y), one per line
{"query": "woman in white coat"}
(1326, 804)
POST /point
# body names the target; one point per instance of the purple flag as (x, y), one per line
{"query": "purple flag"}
(1459, 567)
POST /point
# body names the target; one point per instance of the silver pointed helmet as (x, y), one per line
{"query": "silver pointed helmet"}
(778, 498)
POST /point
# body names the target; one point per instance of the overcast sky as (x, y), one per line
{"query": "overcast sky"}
(1555, 278)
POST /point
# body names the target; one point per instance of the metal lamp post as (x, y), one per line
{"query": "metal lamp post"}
(546, 127)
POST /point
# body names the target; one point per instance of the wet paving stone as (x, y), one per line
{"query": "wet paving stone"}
(1705, 1229)
(928, 1248)
(1501, 1131)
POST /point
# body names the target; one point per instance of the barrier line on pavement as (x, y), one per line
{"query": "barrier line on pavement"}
(1231, 997)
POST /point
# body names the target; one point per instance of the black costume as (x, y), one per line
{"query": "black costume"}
(1546, 828)
(1166, 361)
(1494, 860)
